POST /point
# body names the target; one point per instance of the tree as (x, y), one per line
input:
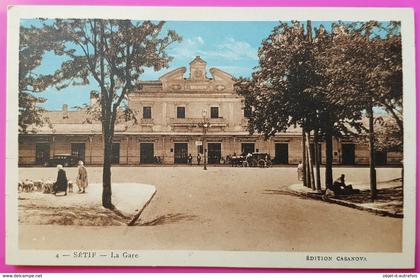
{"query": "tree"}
(292, 87)
(366, 66)
(388, 135)
(114, 53)
(32, 47)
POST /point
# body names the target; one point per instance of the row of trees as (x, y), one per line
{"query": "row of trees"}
(327, 82)
(112, 53)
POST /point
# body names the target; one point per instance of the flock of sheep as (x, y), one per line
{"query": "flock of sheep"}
(44, 186)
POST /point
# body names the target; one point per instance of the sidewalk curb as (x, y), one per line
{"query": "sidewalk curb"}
(318, 196)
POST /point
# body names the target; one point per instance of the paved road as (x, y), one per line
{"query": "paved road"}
(228, 209)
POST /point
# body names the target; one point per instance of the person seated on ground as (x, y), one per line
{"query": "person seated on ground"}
(340, 186)
(61, 183)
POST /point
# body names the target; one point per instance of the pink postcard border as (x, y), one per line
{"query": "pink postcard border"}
(199, 3)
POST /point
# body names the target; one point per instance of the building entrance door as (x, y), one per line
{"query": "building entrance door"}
(380, 158)
(115, 159)
(78, 151)
(146, 153)
(281, 153)
(181, 153)
(348, 154)
(247, 148)
(42, 153)
(215, 153)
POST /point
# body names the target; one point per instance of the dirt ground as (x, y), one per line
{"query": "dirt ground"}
(222, 208)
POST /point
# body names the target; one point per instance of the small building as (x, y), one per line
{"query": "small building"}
(171, 113)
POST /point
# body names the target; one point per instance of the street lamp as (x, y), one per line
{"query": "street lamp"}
(205, 124)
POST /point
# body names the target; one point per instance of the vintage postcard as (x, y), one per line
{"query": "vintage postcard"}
(224, 137)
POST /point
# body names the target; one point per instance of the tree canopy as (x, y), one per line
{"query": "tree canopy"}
(324, 82)
(114, 53)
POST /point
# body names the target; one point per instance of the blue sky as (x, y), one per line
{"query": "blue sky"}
(229, 46)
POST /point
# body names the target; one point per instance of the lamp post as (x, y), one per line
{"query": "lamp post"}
(205, 124)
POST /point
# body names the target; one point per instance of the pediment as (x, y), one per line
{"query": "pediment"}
(176, 74)
(219, 75)
(175, 81)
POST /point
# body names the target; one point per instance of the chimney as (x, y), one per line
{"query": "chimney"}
(65, 111)
(93, 97)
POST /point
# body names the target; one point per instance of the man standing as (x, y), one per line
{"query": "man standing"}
(82, 179)
(300, 171)
(198, 158)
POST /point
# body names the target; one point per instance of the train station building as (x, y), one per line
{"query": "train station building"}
(174, 114)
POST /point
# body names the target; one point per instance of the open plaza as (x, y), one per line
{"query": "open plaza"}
(223, 208)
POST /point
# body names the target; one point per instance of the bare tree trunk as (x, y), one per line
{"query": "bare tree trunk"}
(329, 160)
(372, 163)
(106, 172)
(304, 178)
(317, 161)
(308, 170)
(310, 161)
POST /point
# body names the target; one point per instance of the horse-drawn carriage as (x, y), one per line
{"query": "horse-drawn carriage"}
(253, 160)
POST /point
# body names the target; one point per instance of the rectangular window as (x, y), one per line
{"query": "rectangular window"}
(180, 112)
(214, 112)
(147, 112)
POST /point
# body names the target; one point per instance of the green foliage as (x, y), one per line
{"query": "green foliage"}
(366, 65)
(324, 83)
(32, 46)
(388, 135)
(113, 52)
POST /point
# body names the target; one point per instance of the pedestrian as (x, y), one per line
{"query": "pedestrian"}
(61, 183)
(300, 171)
(82, 178)
(190, 158)
(339, 186)
(198, 158)
(248, 159)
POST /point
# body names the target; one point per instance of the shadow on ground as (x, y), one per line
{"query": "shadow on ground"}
(168, 219)
(282, 192)
(81, 216)
(387, 198)
(392, 194)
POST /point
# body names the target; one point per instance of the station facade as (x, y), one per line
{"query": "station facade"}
(174, 114)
